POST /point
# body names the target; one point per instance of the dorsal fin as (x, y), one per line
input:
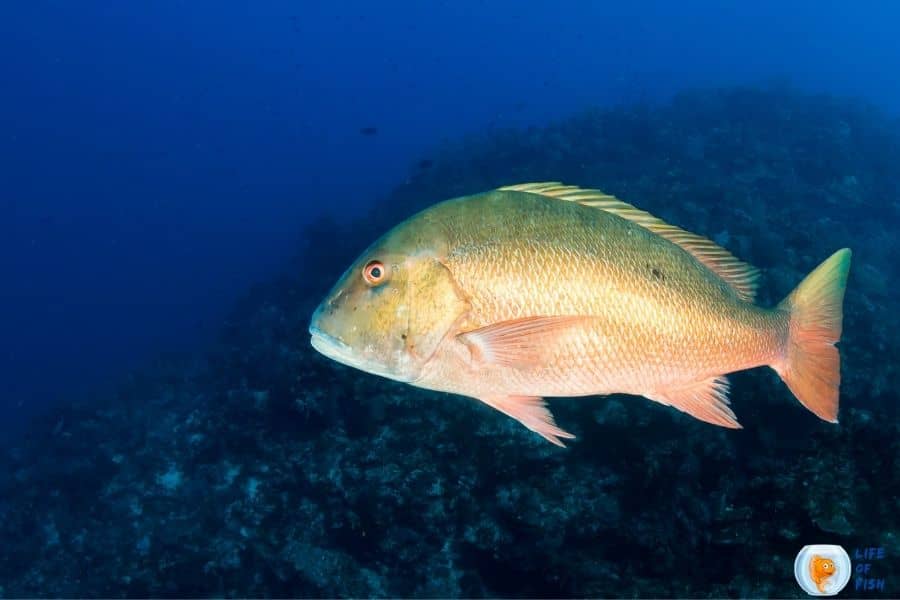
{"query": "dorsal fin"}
(739, 275)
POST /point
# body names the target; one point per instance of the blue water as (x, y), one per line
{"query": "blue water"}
(164, 172)
(157, 160)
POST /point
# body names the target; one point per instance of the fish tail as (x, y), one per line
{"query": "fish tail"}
(810, 364)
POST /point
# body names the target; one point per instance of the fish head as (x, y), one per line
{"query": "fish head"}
(823, 566)
(391, 309)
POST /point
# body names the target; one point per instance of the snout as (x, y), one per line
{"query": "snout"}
(317, 333)
(321, 324)
(326, 320)
(325, 342)
(346, 341)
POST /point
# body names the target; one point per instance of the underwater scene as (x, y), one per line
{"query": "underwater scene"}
(410, 300)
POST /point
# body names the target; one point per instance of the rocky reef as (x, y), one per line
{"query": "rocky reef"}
(263, 469)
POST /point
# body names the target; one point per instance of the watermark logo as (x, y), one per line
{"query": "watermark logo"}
(866, 578)
(822, 569)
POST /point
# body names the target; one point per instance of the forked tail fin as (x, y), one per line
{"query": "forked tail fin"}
(811, 366)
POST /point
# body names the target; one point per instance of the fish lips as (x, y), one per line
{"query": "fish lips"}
(329, 346)
(333, 348)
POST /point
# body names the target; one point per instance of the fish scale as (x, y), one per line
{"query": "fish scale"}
(568, 259)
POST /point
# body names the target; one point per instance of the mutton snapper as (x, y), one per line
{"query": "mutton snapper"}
(544, 289)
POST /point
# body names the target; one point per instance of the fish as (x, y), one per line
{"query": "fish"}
(544, 290)
(368, 130)
(820, 569)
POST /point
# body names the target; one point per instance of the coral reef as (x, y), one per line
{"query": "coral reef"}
(266, 470)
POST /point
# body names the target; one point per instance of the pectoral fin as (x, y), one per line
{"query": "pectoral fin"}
(520, 343)
(705, 400)
(531, 412)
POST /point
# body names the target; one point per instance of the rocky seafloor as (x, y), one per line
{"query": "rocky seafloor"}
(263, 469)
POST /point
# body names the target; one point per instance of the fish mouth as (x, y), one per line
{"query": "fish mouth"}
(330, 346)
(333, 348)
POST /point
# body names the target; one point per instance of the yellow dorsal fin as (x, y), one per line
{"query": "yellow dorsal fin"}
(739, 275)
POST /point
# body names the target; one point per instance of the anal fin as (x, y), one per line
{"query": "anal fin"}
(531, 412)
(705, 400)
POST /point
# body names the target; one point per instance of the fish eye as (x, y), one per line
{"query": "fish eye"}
(374, 273)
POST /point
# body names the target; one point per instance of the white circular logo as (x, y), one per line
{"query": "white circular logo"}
(822, 569)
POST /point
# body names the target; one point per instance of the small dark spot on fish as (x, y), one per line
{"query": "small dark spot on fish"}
(368, 130)
(403, 336)
(426, 163)
(655, 271)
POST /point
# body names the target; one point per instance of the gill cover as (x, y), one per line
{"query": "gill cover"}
(435, 307)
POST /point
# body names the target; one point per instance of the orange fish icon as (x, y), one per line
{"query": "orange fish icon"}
(820, 569)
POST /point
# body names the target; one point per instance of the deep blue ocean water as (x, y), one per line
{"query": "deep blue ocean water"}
(181, 182)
